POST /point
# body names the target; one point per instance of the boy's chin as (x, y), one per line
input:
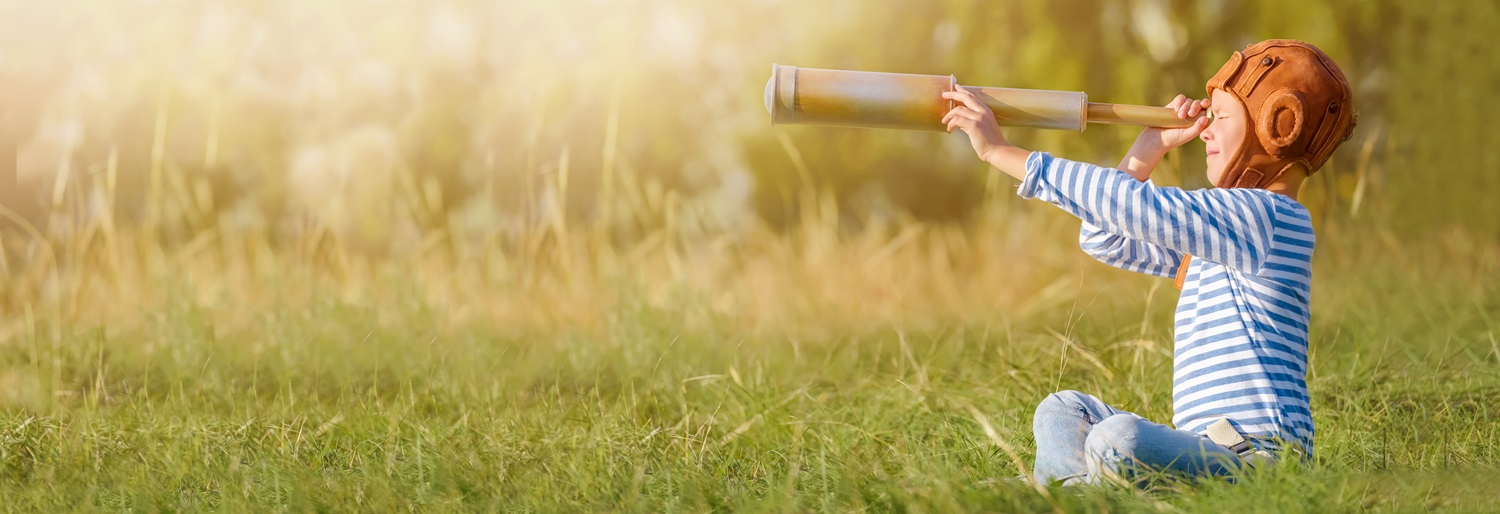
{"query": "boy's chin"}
(1214, 174)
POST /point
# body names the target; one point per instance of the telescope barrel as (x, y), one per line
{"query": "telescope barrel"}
(812, 96)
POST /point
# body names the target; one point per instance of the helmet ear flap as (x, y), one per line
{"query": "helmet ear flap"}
(1280, 123)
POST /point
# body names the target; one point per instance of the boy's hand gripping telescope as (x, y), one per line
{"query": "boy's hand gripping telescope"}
(809, 96)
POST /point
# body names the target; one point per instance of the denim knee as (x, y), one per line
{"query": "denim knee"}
(1113, 440)
(1060, 404)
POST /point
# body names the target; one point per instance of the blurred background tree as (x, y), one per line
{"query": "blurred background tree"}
(382, 120)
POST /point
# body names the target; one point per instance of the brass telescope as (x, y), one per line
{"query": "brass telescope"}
(809, 96)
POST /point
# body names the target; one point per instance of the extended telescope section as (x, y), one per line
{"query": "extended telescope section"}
(809, 96)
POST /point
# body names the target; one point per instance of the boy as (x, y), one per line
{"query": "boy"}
(1240, 253)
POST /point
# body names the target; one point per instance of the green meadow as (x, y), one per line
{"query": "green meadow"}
(551, 257)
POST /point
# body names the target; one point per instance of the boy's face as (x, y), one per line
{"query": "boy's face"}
(1224, 135)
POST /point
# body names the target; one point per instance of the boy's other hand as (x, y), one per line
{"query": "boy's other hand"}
(1169, 138)
(977, 120)
(1155, 142)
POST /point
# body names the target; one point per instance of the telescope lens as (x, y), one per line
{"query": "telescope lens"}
(770, 94)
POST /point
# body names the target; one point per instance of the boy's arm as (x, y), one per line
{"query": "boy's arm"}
(1228, 226)
(1143, 156)
(1128, 254)
(975, 118)
(1231, 227)
(1124, 252)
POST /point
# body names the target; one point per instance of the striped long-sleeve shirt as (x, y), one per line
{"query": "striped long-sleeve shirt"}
(1241, 324)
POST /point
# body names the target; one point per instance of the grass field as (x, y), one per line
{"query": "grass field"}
(548, 256)
(807, 372)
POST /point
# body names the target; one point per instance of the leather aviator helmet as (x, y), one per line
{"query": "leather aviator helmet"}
(1299, 108)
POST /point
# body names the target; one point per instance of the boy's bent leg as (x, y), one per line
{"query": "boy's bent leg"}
(1061, 425)
(1122, 444)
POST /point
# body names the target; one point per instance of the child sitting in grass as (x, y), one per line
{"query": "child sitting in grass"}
(1241, 254)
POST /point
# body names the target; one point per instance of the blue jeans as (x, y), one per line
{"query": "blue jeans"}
(1081, 440)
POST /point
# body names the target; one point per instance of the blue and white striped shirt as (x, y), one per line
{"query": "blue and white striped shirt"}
(1241, 327)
